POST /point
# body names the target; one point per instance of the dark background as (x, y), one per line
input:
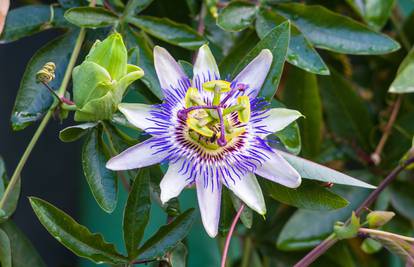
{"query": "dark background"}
(53, 169)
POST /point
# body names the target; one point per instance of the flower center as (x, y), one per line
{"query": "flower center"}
(215, 125)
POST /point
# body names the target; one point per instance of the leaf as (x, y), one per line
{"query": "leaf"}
(302, 93)
(134, 7)
(347, 115)
(243, 45)
(10, 206)
(102, 182)
(311, 170)
(226, 212)
(5, 251)
(331, 31)
(374, 12)
(402, 199)
(290, 138)
(30, 19)
(169, 31)
(309, 195)
(136, 213)
(168, 236)
(73, 133)
(33, 99)
(23, 252)
(246, 217)
(306, 228)
(90, 17)
(74, 236)
(403, 82)
(237, 16)
(277, 41)
(146, 61)
(178, 256)
(301, 52)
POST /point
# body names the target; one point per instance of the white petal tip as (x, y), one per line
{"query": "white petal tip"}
(212, 232)
(267, 53)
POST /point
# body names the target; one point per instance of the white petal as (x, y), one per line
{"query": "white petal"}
(168, 71)
(255, 72)
(137, 114)
(279, 118)
(173, 182)
(248, 189)
(205, 64)
(138, 156)
(278, 170)
(209, 202)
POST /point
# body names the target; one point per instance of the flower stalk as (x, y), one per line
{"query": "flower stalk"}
(229, 235)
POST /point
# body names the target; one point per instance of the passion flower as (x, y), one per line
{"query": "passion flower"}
(211, 132)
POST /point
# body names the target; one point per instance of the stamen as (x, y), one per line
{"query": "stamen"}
(241, 87)
(222, 139)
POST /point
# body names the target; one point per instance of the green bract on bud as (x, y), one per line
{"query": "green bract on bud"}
(99, 83)
(377, 219)
(346, 231)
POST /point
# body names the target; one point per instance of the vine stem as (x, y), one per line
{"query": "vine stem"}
(385, 234)
(229, 235)
(331, 240)
(61, 92)
(376, 156)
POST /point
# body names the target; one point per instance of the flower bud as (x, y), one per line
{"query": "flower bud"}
(377, 219)
(99, 83)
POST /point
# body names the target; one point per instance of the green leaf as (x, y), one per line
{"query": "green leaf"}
(301, 52)
(302, 93)
(168, 236)
(73, 133)
(277, 41)
(403, 82)
(90, 17)
(5, 251)
(11, 203)
(237, 16)
(347, 115)
(178, 256)
(226, 212)
(306, 228)
(102, 182)
(33, 99)
(243, 45)
(30, 19)
(169, 31)
(290, 138)
(331, 31)
(136, 214)
(136, 6)
(311, 170)
(374, 12)
(23, 252)
(246, 217)
(402, 199)
(74, 236)
(309, 195)
(146, 61)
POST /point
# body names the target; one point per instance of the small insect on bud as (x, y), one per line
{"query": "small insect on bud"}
(47, 73)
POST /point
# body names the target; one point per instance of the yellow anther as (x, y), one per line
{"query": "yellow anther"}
(222, 86)
(244, 114)
(203, 130)
(193, 98)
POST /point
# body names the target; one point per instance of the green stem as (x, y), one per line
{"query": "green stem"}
(62, 89)
(246, 252)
